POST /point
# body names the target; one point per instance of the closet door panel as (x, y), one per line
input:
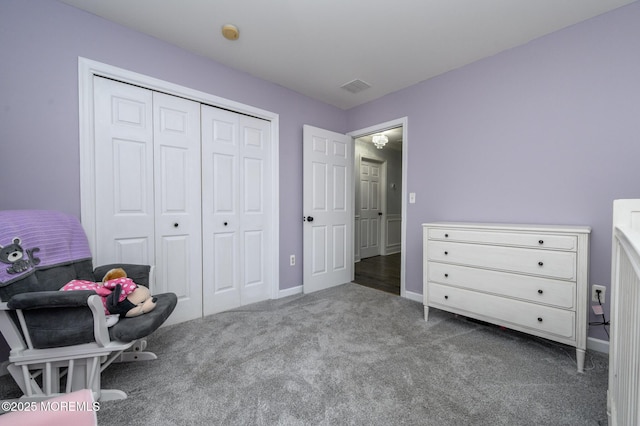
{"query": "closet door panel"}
(255, 203)
(224, 263)
(178, 203)
(130, 250)
(223, 184)
(130, 190)
(220, 219)
(253, 254)
(253, 257)
(176, 248)
(123, 120)
(253, 187)
(174, 174)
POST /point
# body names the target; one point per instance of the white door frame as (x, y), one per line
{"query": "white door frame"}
(403, 121)
(88, 68)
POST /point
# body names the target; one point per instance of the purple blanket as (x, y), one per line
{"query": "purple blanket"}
(38, 239)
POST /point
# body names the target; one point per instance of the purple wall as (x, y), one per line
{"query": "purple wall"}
(39, 155)
(546, 133)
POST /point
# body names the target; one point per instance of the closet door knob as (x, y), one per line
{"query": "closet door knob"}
(175, 225)
(446, 253)
(539, 319)
(226, 223)
(540, 242)
(540, 263)
(446, 275)
(309, 218)
(540, 291)
(446, 297)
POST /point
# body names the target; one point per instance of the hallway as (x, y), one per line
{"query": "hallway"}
(379, 272)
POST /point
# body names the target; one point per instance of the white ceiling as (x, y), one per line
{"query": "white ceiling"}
(315, 46)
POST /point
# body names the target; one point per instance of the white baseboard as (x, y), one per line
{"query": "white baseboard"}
(392, 249)
(413, 296)
(289, 292)
(597, 345)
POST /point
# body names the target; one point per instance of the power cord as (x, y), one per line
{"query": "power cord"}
(604, 323)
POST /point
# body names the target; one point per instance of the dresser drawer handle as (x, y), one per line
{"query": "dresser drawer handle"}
(540, 291)
(446, 297)
(446, 253)
(446, 235)
(539, 319)
(540, 263)
(446, 275)
(540, 242)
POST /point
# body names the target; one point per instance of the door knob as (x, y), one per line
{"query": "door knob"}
(226, 223)
(309, 218)
(379, 213)
(175, 225)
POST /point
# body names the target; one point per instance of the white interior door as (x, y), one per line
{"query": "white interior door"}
(147, 174)
(177, 203)
(236, 202)
(370, 208)
(327, 186)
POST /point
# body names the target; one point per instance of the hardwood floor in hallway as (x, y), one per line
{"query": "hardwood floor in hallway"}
(379, 272)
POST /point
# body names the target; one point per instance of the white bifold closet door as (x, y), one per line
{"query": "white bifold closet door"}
(148, 210)
(235, 205)
(164, 191)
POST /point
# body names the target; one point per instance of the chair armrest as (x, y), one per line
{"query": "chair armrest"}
(50, 299)
(140, 274)
(31, 302)
(100, 331)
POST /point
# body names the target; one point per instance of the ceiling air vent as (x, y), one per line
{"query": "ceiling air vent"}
(355, 86)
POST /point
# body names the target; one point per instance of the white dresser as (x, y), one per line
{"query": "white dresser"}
(530, 278)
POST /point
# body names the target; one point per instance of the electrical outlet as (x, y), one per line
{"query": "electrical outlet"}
(292, 260)
(594, 293)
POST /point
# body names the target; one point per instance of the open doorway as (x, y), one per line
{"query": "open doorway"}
(378, 208)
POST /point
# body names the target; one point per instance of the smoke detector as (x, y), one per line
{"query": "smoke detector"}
(230, 32)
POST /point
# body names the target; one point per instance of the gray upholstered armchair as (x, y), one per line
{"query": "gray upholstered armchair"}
(59, 340)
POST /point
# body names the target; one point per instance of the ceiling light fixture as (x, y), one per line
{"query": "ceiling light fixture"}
(379, 140)
(230, 32)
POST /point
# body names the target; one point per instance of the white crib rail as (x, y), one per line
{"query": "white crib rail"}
(623, 396)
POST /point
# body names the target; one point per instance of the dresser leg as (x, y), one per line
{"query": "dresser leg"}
(580, 359)
(426, 312)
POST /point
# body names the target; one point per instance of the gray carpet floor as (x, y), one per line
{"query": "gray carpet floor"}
(351, 355)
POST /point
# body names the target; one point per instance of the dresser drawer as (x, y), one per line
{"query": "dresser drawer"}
(561, 294)
(545, 263)
(507, 312)
(539, 240)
